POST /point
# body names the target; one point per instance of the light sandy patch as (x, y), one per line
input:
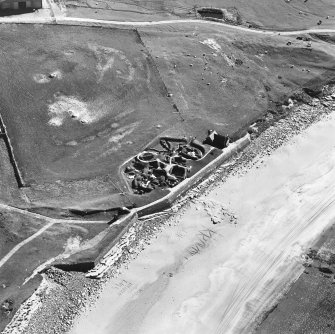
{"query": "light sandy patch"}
(123, 132)
(129, 76)
(106, 58)
(229, 60)
(72, 244)
(180, 95)
(68, 106)
(147, 71)
(46, 78)
(199, 278)
(41, 78)
(57, 74)
(69, 53)
(218, 212)
(260, 56)
(123, 114)
(212, 43)
(114, 142)
(72, 143)
(228, 15)
(223, 81)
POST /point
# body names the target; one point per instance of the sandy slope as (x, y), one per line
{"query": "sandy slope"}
(197, 277)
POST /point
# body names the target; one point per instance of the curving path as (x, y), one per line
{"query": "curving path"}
(22, 243)
(50, 222)
(63, 20)
(48, 219)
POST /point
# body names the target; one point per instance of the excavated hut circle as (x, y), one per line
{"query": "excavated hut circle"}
(147, 156)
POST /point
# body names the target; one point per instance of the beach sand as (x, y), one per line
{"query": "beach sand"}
(197, 277)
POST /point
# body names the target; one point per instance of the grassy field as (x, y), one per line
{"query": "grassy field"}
(228, 80)
(9, 193)
(270, 14)
(77, 102)
(57, 239)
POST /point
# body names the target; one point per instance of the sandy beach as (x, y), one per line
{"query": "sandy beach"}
(200, 277)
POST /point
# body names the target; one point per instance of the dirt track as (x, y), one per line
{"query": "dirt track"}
(105, 23)
(50, 221)
(203, 278)
(167, 22)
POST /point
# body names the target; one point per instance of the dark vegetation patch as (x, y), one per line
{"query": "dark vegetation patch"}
(226, 15)
(308, 307)
(83, 267)
(215, 13)
(7, 12)
(325, 270)
(324, 37)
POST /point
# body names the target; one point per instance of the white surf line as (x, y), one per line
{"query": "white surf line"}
(24, 242)
(96, 22)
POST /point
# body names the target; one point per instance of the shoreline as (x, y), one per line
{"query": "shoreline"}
(188, 281)
(268, 141)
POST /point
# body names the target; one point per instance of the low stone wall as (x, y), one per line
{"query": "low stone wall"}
(182, 187)
(126, 222)
(10, 151)
(130, 230)
(119, 245)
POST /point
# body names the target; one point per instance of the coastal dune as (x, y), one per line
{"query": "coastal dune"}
(198, 277)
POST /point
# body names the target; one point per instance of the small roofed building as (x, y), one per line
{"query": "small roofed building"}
(216, 140)
(19, 5)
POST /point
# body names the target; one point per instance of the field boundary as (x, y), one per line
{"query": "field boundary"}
(10, 150)
(153, 63)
